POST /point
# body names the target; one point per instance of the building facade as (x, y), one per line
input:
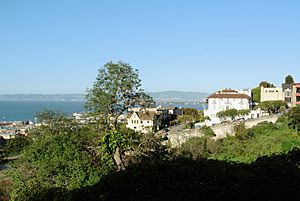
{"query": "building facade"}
(295, 94)
(225, 100)
(287, 94)
(271, 94)
(142, 121)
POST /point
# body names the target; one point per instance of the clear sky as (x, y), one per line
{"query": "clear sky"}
(57, 46)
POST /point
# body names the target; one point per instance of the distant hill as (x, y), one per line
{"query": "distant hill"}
(42, 97)
(178, 96)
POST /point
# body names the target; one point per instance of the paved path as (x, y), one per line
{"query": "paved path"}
(178, 135)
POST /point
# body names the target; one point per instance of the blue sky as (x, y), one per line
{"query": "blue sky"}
(57, 46)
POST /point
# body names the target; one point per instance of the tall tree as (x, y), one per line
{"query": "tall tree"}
(289, 80)
(256, 95)
(266, 84)
(272, 106)
(117, 88)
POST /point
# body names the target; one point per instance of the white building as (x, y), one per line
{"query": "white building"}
(225, 100)
(142, 121)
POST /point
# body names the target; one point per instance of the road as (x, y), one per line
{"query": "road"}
(178, 135)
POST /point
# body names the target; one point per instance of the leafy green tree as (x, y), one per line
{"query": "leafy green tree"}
(294, 117)
(243, 112)
(117, 88)
(272, 106)
(289, 80)
(240, 131)
(48, 116)
(266, 84)
(150, 147)
(190, 111)
(256, 94)
(200, 117)
(231, 113)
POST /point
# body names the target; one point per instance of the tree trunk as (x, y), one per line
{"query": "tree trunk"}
(118, 159)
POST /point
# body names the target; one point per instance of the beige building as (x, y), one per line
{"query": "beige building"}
(271, 94)
(142, 121)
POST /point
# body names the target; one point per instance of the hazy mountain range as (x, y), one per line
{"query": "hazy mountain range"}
(178, 96)
(166, 96)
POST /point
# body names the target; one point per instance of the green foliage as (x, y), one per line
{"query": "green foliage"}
(194, 148)
(48, 116)
(243, 112)
(15, 146)
(116, 89)
(264, 139)
(192, 116)
(262, 128)
(256, 94)
(240, 131)
(150, 147)
(56, 159)
(207, 131)
(231, 113)
(269, 178)
(294, 117)
(266, 84)
(272, 106)
(121, 139)
(256, 91)
(289, 80)
(186, 119)
(190, 111)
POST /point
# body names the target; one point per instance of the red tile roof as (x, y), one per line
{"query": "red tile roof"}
(229, 96)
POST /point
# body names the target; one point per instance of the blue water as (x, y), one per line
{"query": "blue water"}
(200, 106)
(26, 110)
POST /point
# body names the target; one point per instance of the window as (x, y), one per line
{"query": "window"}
(132, 121)
(141, 122)
(148, 122)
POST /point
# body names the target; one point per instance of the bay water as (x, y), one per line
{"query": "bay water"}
(27, 110)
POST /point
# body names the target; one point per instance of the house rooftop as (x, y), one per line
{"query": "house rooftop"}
(229, 95)
(229, 91)
(148, 115)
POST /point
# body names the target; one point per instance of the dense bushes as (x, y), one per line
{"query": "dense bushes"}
(269, 178)
(58, 159)
(15, 146)
(72, 162)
